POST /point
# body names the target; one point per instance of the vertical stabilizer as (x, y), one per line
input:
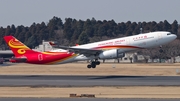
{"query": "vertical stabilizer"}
(17, 47)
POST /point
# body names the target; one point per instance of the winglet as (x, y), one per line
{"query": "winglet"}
(17, 47)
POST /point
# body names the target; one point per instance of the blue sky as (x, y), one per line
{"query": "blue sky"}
(25, 12)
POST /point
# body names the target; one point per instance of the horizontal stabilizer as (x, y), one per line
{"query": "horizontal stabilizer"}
(18, 60)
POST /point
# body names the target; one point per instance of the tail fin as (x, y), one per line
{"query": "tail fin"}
(17, 47)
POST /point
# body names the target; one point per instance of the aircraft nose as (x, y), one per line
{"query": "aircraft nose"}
(174, 36)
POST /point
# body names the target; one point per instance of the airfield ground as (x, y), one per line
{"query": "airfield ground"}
(150, 69)
(100, 92)
(155, 69)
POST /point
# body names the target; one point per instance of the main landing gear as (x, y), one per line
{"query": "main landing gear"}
(93, 64)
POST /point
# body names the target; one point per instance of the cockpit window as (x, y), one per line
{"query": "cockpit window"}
(168, 33)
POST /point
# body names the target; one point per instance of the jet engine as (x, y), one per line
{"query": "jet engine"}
(111, 54)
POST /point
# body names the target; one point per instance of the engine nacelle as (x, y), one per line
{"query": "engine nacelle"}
(111, 54)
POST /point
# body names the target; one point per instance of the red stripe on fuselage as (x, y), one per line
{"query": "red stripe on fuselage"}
(116, 46)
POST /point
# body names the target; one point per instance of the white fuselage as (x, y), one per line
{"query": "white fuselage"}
(125, 44)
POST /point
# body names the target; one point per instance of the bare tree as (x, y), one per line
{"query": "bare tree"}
(168, 51)
(172, 50)
(150, 53)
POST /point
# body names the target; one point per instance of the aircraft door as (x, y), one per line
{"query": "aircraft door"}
(159, 39)
(127, 41)
(159, 36)
(40, 57)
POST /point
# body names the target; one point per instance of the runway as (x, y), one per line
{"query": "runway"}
(87, 81)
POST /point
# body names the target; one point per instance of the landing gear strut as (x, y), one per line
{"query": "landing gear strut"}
(93, 63)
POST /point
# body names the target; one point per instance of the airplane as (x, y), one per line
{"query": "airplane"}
(108, 49)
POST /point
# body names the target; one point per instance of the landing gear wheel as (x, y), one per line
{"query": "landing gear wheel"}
(97, 62)
(93, 65)
(88, 66)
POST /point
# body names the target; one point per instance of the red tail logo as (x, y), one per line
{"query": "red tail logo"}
(17, 47)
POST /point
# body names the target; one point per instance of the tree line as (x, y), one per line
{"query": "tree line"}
(74, 31)
(166, 52)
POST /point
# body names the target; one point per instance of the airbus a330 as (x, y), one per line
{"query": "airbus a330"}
(108, 49)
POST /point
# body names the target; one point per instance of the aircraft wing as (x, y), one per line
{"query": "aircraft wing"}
(86, 52)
